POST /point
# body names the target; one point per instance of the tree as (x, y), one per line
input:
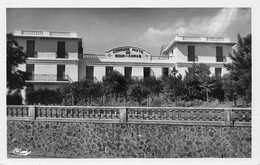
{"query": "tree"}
(14, 57)
(196, 76)
(174, 85)
(153, 86)
(240, 68)
(137, 91)
(207, 86)
(229, 86)
(115, 84)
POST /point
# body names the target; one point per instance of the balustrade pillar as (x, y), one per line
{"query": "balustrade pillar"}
(122, 115)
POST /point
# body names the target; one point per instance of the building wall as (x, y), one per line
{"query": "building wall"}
(46, 62)
(120, 69)
(204, 52)
(156, 71)
(99, 72)
(72, 71)
(47, 48)
(181, 70)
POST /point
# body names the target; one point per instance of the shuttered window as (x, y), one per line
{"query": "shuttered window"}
(147, 72)
(218, 72)
(60, 72)
(90, 72)
(128, 72)
(219, 53)
(109, 69)
(191, 53)
(30, 71)
(30, 49)
(61, 49)
(165, 71)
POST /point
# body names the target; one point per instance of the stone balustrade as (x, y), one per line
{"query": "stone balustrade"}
(145, 115)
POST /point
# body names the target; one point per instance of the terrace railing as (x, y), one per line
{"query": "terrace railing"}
(49, 77)
(143, 115)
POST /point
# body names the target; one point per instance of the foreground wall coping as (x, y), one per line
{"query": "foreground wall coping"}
(136, 115)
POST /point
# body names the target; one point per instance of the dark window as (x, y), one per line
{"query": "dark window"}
(90, 72)
(147, 72)
(109, 69)
(218, 72)
(30, 50)
(128, 72)
(61, 49)
(191, 53)
(219, 53)
(30, 71)
(60, 72)
(165, 71)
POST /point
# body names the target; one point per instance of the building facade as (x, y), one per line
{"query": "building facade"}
(212, 51)
(53, 57)
(132, 62)
(56, 58)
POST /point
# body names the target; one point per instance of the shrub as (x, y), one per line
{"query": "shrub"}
(44, 96)
(14, 98)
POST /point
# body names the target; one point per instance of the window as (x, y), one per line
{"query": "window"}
(60, 72)
(165, 72)
(109, 69)
(61, 49)
(30, 50)
(30, 70)
(90, 72)
(128, 72)
(219, 53)
(191, 53)
(218, 72)
(147, 72)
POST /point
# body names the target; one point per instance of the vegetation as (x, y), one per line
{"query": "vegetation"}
(14, 57)
(240, 71)
(43, 96)
(15, 80)
(196, 88)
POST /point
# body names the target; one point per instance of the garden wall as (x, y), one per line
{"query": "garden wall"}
(120, 132)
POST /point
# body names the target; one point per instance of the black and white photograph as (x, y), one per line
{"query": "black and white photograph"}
(129, 84)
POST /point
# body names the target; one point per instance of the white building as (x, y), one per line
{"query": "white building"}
(183, 51)
(130, 61)
(53, 56)
(56, 58)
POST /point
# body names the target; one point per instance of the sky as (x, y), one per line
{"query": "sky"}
(147, 28)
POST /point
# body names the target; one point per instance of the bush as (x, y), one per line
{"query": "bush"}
(14, 98)
(44, 96)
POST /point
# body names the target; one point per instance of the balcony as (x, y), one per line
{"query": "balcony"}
(31, 54)
(93, 56)
(60, 55)
(224, 59)
(49, 78)
(195, 59)
(160, 58)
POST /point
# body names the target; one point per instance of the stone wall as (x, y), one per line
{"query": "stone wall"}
(136, 139)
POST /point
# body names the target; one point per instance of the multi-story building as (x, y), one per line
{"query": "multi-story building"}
(56, 58)
(130, 61)
(53, 56)
(183, 51)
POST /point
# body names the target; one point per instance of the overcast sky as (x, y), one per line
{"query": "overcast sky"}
(149, 28)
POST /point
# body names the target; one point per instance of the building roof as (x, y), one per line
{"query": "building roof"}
(192, 39)
(44, 33)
